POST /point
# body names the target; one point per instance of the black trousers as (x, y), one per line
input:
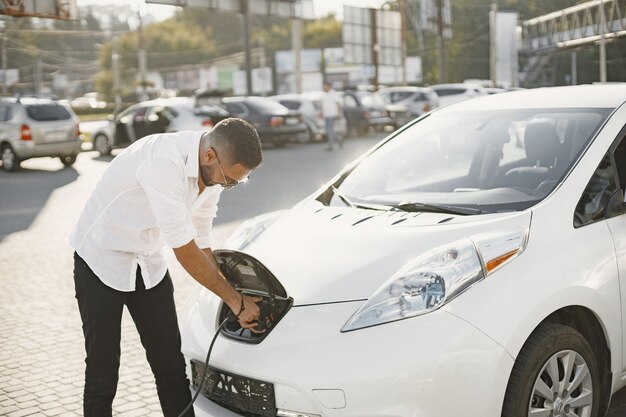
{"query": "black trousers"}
(154, 314)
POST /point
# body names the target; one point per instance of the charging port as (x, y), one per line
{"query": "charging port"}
(252, 278)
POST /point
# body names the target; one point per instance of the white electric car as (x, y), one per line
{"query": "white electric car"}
(472, 264)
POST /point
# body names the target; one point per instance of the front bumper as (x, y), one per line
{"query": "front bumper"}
(435, 365)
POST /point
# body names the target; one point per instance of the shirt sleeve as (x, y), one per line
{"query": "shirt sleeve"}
(163, 181)
(202, 219)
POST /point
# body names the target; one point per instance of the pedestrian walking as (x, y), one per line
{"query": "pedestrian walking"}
(162, 190)
(331, 110)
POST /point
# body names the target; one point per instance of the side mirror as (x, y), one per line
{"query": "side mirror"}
(616, 206)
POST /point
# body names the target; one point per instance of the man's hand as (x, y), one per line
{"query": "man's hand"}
(249, 316)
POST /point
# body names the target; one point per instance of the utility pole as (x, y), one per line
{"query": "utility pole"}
(442, 44)
(141, 51)
(574, 68)
(245, 11)
(492, 43)
(38, 77)
(4, 63)
(375, 47)
(403, 26)
(602, 43)
(296, 45)
(115, 58)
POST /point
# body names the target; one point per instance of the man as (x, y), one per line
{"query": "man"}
(163, 189)
(331, 110)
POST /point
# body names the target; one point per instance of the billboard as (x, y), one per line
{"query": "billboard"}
(506, 48)
(310, 61)
(359, 40)
(261, 81)
(302, 9)
(54, 9)
(429, 14)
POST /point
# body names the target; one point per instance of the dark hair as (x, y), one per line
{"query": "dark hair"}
(240, 140)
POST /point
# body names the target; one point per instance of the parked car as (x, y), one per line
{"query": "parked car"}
(90, 100)
(447, 272)
(455, 93)
(310, 106)
(155, 116)
(33, 127)
(275, 123)
(419, 100)
(363, 110)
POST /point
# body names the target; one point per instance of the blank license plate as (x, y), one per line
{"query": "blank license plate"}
(56, 136)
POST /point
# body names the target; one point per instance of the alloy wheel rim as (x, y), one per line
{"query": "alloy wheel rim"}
(563, 388)
(8, 159)
(101, 145)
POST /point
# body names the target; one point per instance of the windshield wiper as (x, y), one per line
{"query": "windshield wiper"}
(437, 208)
(352, 204)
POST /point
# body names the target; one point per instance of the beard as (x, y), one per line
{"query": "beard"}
(206, 173)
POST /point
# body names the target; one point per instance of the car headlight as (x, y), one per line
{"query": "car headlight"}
(432, 279)
(250, 230)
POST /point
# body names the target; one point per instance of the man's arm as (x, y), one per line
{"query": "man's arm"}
(202, 266)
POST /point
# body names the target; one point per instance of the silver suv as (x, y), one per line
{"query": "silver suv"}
(33, 127)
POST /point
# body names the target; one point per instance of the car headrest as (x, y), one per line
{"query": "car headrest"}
(542, 143)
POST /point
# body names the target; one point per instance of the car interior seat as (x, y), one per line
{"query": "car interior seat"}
(543, 151)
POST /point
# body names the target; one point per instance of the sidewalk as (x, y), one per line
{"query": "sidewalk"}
(41, 352)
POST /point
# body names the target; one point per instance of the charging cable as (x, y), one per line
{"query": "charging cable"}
(206, 368)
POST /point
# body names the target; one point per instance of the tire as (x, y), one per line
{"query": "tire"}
(68, 160)
(552, 352)
(10, 160)
(101, 144)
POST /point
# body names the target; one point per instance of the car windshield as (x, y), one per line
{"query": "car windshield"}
(47, 112)
(266, 105)
(497, 160)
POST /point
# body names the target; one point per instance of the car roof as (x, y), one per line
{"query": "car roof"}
(29, 100)
(403, 88)
(579, 96)
(181, 101)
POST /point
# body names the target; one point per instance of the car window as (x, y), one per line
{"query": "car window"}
(290, 104)
(449, 91)
(593, 203)
(236, 108)
(47, 112)
(496, 159)
(265, 105)
(140, 114)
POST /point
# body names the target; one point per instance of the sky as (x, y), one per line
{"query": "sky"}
(161, 12)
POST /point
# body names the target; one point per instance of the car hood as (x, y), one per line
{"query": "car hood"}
(324, 254)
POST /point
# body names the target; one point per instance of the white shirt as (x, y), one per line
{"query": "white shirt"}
(330, 102)
(147, 197)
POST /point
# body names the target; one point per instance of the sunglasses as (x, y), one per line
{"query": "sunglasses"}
(228, 181)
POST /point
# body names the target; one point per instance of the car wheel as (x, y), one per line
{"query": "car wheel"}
(68, 160)
(556, 374)
(101, 144)
(10, 160)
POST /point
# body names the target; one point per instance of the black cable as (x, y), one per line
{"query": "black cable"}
(206, 369)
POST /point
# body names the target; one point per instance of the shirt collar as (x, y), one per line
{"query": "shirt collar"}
(192, 164)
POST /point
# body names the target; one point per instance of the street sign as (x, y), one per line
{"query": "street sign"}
(301, 9)
(54, 9)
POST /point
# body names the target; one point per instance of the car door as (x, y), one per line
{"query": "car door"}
(140, 123)
(158, 119)
(617, 221)
(123, 128)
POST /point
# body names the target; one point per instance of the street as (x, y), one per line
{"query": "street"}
(41, 354)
